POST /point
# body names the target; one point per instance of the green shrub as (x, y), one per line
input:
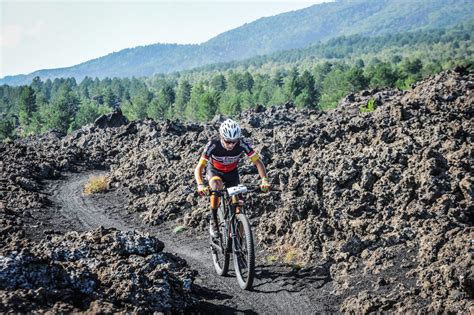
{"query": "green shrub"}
(370, 107)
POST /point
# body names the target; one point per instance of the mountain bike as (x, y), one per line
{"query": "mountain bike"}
(234, 235)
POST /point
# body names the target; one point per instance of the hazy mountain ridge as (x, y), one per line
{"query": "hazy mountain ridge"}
(353, 46)
(295, 29)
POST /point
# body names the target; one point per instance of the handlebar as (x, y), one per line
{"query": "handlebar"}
(222, 192)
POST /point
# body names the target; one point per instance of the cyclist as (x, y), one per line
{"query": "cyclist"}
(223, 155)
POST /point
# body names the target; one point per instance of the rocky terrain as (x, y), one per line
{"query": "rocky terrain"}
(382, 200)
(101, 271)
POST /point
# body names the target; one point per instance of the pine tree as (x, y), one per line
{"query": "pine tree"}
(382, 75)
(139, 107)
(7, 128)
(309, 96)
(246, 101)
(278, 96)
(208, 105)
(160, 106)
(335, 87)
(84, 88)
(357, 80)
(247, 81)
(230, 104)
(277, 78)
(27, 107)
(219, 83)
(110, 99)
(60, 114)
(292, 86)
(265, 94)
(183, 94)
(235, 82)
(36, 84)
(192, 108)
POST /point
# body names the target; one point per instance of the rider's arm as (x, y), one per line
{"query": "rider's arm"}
(198, 170)
(265, 185)
(255, 158)
(261, 168)
(203, 162)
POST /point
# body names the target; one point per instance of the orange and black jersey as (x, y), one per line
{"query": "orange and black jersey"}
(224, 160)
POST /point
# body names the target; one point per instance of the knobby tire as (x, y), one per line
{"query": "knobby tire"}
(221, 258)
(244, 255)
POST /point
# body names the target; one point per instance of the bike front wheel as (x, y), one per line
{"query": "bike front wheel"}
(244, 253)
(220, 255)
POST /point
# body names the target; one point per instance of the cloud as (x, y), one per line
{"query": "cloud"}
(10, 36)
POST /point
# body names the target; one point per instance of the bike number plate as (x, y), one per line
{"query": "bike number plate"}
(240, 189)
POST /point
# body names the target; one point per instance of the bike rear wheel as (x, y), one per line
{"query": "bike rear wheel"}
(220, 256)
(244, 253)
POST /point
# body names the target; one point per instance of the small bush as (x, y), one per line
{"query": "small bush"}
(271, 259)
(96, 184)
(371, 106)
(291, 256)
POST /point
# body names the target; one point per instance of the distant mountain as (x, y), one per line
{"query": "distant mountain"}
(295, 29)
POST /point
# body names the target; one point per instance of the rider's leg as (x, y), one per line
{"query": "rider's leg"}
(215, 183)
(233, 179)
(241, 203)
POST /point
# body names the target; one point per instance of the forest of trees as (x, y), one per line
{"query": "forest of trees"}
(290, 30)
(316, 77)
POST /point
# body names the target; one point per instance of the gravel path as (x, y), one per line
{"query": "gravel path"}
(277, 289)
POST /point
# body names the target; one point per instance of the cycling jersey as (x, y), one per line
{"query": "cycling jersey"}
(224, 160)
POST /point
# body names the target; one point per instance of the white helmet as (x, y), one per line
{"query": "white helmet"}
(230, 130)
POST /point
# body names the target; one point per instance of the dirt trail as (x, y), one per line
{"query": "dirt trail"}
(277, 289)
(80, 208)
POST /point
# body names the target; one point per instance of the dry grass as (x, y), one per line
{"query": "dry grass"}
(291, 256)
(271, 259)
(96, 184)
(288, 254)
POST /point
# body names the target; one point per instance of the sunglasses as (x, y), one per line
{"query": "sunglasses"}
(230, 142)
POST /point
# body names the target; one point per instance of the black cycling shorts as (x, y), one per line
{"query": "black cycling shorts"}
(230, 179)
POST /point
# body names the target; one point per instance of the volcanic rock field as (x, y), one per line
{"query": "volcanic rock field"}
(380, 203)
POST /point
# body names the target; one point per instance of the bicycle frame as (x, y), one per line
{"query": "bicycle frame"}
(229, 214)
(234, 236)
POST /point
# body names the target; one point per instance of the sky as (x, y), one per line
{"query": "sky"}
(37, 34)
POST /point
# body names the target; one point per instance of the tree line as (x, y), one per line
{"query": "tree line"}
(198, 95)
